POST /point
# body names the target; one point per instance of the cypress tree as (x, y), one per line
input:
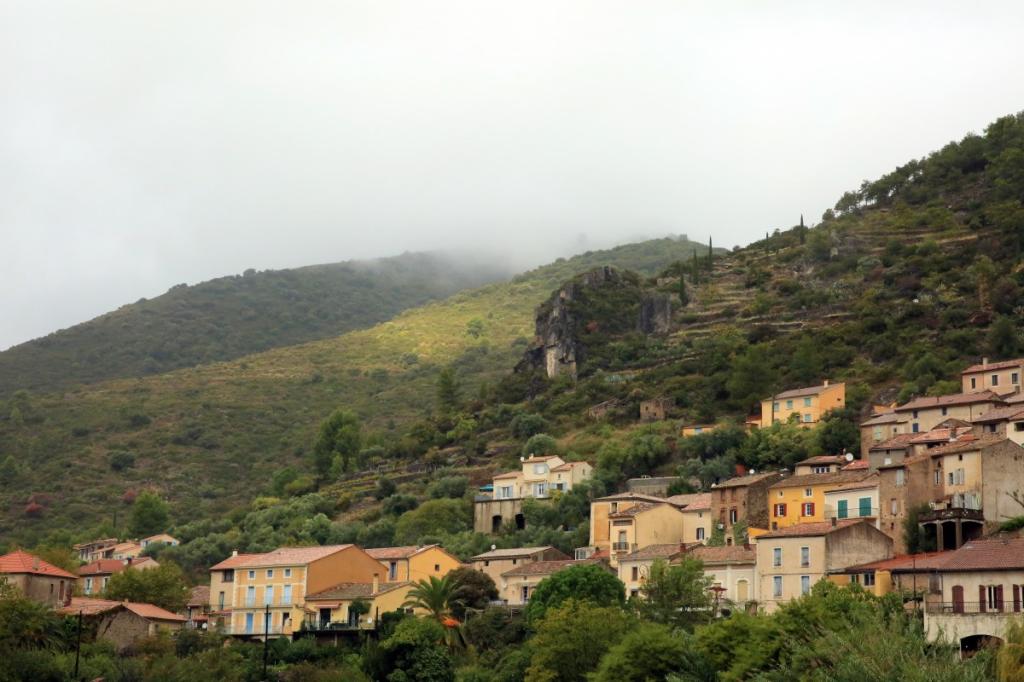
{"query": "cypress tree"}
(803, 230)
(696, 268)
(684, 299)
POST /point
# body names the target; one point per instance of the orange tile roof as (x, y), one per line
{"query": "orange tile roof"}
(940, 434)
(665, 551)
(998, 414)
(810, 390)
(832, 478)
(992, 366)
(986, 555)
(292, 556)
(102, 567)
(967, 443)
(856, 465)
(234, 561)
(568, 466)
(926, 402)
(22, 562)
(810, 529)
(900, 441)
(691, 502)
(509, 474)
(515, 553)
(726, 554)
(904, 562)
(354, 591)
(823, 459)
(94, 607)
(547, 567)
(380, 553)
(742, 481)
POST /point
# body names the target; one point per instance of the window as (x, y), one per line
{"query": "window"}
(220, 601)
(540, 468)
(915, 414)
(808, 492)
(807, 509)
(805, 557)
(887, 460)
(995, 379)
(248, 622)
(540, 489)
(733, 516)
(615, 507)
(780, 509)
(805, 584)
(789, 404)
(1018, 426)
(915, 428)
(807, 402)
(777, 557)
(88, 585)
(974, 383)
(286, 595)
(250, 596)
(270, 573)
(780, 493)
(700, 534)
(505, 492)
(938, 477)
(807, 418)
(229, 576)
(945, 411)
(287, 573)
(901, 477)
(1014, 378)
(777, 586)
(775, 405)
(252, 575)
(894, 506)
(876, 433)
(437, 568)
(842, 509)
(392, 570)
(268, 595)
(864, 505)
(697, 430)
(869, 579)
(635, 573)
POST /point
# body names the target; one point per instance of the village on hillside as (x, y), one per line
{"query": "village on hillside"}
(939, 473)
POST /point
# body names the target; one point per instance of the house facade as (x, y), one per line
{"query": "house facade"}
(733, 569)
(743, 498)
(792, 559)
(414, 563)
(806, 405)
(517, 585)
(498, 561)
(858, 499)
(635, 567)
(123, 623)
(801, 499)
(697, 521)
(93, 577)
(878, 428)
(1003, 378)
(36, 579)
(332, 609)
(924, 414)
(538, 477)
(622, 524)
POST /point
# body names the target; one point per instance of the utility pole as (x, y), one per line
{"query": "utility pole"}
(78, 644)
(266, 637)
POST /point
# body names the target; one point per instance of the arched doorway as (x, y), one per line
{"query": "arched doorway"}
(971, 645)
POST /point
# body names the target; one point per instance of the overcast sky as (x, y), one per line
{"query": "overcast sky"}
(143, 144)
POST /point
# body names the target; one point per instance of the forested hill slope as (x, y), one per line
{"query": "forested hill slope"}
(233, 316)
(209, 437)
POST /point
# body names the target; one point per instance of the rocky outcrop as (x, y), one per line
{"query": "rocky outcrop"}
(601, 300)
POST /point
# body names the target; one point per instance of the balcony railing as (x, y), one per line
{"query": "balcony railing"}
(623, 547)
(952, 515)
(971, 608)
(256, 629)
(853, 513)
(332, 626)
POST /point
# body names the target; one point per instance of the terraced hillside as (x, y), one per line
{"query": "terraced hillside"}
(210, 437)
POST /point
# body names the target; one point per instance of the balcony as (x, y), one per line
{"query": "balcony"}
(624, 547)
(952, 514)
(333, 626)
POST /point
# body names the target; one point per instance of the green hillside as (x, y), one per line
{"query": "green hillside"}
(229, 317)
(209, 437)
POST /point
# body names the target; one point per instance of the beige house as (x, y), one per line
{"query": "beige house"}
(517, 585)
(222, 588)
(732, 568)
(498, 561)
(792, 559)
(696, 509)
(281, 580)
(36, 579)
(819, 464)
(126, 550)
(159, 538)
(979, 593)
(924, 414)
(1003, 378)
(858, 499)
(93, 578)
(1007, 422)
(538, 477)
(621, 524)
(806, 405)
(97, 549)
(635, 567)
(880, 427)
(122, 623)
(331, 609)
(890, 451)
(412, 564)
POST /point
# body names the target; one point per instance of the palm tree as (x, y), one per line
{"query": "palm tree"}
(434, 595)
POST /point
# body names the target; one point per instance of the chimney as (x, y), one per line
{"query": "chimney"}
(826, 382)
(984, 362)
(376, 583)
(234, 552)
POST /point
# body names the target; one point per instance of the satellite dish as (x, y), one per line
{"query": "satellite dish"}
(848, 456)
(494, 547)
(522, 459)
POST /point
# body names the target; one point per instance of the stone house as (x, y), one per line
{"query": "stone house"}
(895, 449)
(902, 485)
(538, 477)
(93, 577)
(36, 579)
(123, 623)
(1003, 378)
(792, 559)
(879, 428)
(1007, 422)
(498, 561)
(742, 498)
(655, 409)
(925, 413)
(635, 567)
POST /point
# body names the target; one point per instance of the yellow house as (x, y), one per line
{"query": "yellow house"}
(539, 476)
(622, 523)
(222, 588)
(331, 609)
(858, 499)
(697, 429)
(791, 560)
(808, 404)
(801, 499)
(635, 567)
(412, 564)
(281, 580)
(696, 509)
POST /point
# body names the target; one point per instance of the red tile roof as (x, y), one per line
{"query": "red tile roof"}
(900, 441)
(292, 556)
(509, 474)
(905, 562)
(810, 529)
(967, 443)
(834, 478)
(655, 552)
(926, 402)
(354, 591)
(823, 459)
(856, 465)
(986, 555)
(23, 562)
(993, 366)
(940, 434)
(691, 502)
(799, 392)
(743, 481)
(396, 552)
(110, 566)
(515, 553)
(546, 567)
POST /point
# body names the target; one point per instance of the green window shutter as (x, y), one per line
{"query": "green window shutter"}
(865, 506)
(842, 509)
